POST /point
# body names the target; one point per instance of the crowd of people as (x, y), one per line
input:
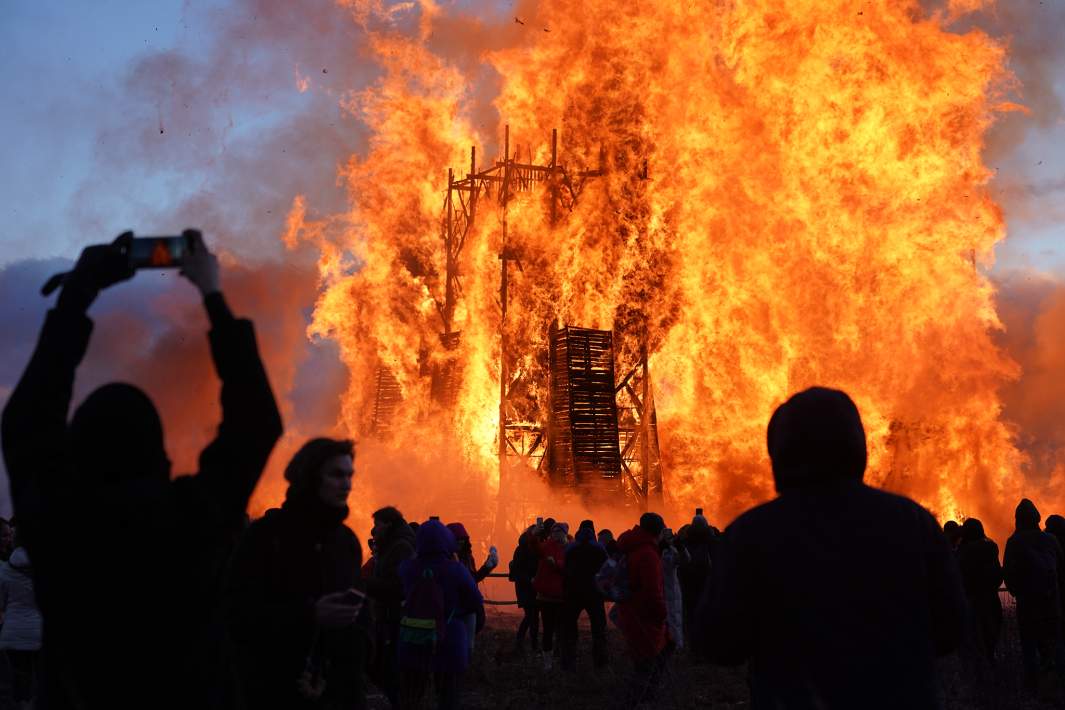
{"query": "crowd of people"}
(835, 594)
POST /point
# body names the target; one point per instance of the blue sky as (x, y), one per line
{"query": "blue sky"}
(67, 73)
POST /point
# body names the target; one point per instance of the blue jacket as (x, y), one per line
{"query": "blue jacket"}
(436, 547)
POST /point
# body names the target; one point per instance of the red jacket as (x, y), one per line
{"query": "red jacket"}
(642, 617)
(548, 581)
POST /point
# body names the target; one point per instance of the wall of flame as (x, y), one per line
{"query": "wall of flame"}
(815, 212)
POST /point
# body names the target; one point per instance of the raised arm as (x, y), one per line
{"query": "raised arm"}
(35, 418)
(230, 466)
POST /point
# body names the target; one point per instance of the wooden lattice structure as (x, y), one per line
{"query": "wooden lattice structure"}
(583, 438)
(388, 399)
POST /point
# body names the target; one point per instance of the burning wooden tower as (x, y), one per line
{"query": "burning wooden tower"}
(597, 435)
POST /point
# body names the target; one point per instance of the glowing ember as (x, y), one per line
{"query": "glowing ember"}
(814, 211)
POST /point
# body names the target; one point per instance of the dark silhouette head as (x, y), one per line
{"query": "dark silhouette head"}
(972, 530)
(652, 523)
(1027, 515)
(116, 435)
(1055, 525)
(304, 471)
(816, 437)
(952, 531)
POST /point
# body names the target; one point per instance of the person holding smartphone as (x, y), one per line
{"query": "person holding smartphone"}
(296, 606)
(135, 625)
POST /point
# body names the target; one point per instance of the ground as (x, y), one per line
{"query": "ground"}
(502, 679)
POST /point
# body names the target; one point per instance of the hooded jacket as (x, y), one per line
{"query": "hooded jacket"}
(1033, 566)
(22, 621)
(286, 561)
(147, 630)
(384, 585)
(435, 546)
(583, 558)
(839, 595)
(642, 616)
(548, 581)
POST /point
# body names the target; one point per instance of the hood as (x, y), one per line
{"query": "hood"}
(20, 559)
(972, 530)
(434, 539)
(402, 531)
(632, 539)
(816, 438)
(459, 531)
(585, 534)
(116, 435)
(1056, 525)
(1027, 515)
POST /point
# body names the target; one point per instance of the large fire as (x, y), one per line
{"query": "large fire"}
(792, 194)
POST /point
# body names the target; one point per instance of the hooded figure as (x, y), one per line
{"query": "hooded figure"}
(448, 657)
(290, 563)
(1033, 567)
(583, 558)
(145, 631)
(839, 595)
(982, 575)
(393, 544)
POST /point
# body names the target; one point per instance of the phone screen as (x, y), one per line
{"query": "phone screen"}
(157, 252)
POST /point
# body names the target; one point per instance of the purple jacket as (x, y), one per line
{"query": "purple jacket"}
(435, 547)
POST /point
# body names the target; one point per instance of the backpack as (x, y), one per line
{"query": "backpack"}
(612, 579)
(423, 622)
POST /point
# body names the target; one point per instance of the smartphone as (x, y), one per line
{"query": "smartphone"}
(157, 252)
(540, 522)
(698, 511)
(435, 517)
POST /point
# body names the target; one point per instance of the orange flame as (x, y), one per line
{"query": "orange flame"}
(815, 211)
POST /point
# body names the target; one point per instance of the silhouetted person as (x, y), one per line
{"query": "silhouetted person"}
(439, 590)
(393, 544)
(583, 558)
(20, 636)
(642, 615)
(1032, 566)
(674, 558)
(300, 631)
(981, 574)
(523, 565)
(136, 625)
(952, 531)
(839, 595)
(695, 572)
(550, 588)
(606, 539)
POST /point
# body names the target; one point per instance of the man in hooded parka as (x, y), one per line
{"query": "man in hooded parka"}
(1032, 566)
(394, 540)
(136, 623)
(839, 595)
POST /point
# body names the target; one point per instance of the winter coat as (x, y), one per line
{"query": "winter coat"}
(22, 621)
(384, 585)
(838, 595)
(523, 566)
(642, 616)
(286, 562)
(583, 559)
(549, 580)
(140, 623)
(981, 572)
(1033, 567)
(695, 572)
(672, 559)
(435, 546)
